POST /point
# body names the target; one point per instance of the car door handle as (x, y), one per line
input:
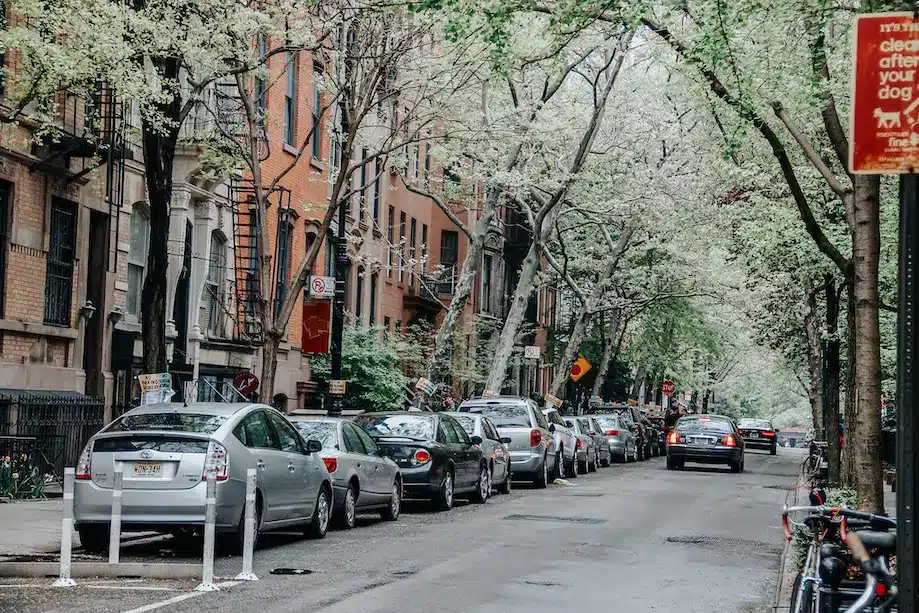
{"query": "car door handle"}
(358, 464)
(291, 468)
(261, 464)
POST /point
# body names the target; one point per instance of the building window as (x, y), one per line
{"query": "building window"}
(413, 235)
(362, 194)
(290, 100)
(401, 247)
(310, 241)
(316, 137)
(427, 162)
(261, 82)
(335, 146)
(390, 222)
(4, 235)
(214, 285)
(486, 284)
(137, 259)
(424, 246)
(377, 172)
(359, 295)
(374, 280)
(61, 252)
(415, 166)
(285, 238)
(449, 248)
(330, 254)
(387, 323)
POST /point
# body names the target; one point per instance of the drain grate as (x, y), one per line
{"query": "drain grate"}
(558, 518)
(721, 541)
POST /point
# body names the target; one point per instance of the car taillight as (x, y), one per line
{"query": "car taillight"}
(730, 441)
(578, 444)
(331, 464)
(219, 460)
(612, 433)
(84, 464)
(535, 438)
(880, 590)
(673, 438)
(422, 456)
(769, 433)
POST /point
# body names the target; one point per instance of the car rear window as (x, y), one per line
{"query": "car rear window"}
(468, 423)
(166, 444)
(700, 424)
(608, 421)
(326, 432)
(504, 415)
(418, 427)
(196, 423)
(755, 423)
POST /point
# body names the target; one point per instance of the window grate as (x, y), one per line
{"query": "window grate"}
(59, 274)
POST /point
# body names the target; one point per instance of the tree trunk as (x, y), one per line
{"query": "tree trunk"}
(848, 458)
(815, 390)
(609, 347)
(636, 384)
(866, 443)
(831, 378)
(269, 366)
(159, 143)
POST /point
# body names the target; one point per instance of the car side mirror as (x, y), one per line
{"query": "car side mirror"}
(506, 440)
(551, 427)
(777, 430)
(313, 446)
(475, 440)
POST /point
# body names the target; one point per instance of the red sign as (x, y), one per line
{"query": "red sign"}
(667, 388)
(316, 317)
(245, 382)
(885, 97)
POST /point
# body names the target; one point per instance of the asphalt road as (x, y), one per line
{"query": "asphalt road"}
(631, 538)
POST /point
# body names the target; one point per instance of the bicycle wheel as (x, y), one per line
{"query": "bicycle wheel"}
(805, 595)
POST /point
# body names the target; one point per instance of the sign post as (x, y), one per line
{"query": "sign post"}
(885, 140)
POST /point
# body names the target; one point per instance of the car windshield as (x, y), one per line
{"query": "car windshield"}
(504, 416)
(755, 423)
(417, 427)
(326, 432)
(700, 424)
(171, 422)
(467, 422)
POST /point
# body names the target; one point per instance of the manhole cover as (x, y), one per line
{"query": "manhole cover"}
(543, 583)
(290, 571)
(586, 495)
(721, 541)
(572, 520)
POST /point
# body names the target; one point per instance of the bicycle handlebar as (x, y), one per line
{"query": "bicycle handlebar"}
(844, 512)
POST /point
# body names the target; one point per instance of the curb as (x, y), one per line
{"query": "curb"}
(102, 569)
(782, 599)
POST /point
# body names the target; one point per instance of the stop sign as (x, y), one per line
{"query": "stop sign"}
(668, 388)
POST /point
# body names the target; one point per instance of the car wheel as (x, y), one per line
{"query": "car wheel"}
(592, 467)
(94, 538)
(736, 467)
(483, 485)
(639, 453)
(583, 467)
(773, 450)
(606, 461)
(542, 477)
(319, 524)
(671, 465)
(236, 542)
(444, 500)
(505, 486)
(558, 471)
(571, 469)
(348, 514)
(391, 513)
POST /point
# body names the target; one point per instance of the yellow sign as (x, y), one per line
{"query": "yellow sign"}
(580, 368)
(337, 387)
(553, 401)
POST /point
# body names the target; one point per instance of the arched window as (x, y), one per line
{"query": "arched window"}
(215, 285)
(137, 258)
(310, 241)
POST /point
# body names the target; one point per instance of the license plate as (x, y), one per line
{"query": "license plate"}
(147, 469)
(754, 435)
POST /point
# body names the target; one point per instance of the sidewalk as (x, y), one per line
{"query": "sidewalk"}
(31, 527)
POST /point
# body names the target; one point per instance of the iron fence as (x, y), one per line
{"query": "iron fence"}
(56, 427)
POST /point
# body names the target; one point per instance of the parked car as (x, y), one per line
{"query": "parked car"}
(165, 450)
(706, 439)
(438, 460)
(362, 478)
(493, 446)
(637, 424)
(619, 436)
(659, 425)
(532, 447)
(588, 456)
(565, 440)
(596, 432)
(758, 433)
(654, 437)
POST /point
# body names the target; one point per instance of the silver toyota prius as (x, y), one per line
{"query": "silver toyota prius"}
(164, 451)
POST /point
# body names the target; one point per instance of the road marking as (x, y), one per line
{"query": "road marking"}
(139, 588)
(176, 599)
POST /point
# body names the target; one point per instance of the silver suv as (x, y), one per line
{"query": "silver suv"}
(534, 453)
(566, 441)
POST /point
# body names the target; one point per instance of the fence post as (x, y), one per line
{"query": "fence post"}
(114, 541)
(210, 520)
(249, 526)
(64, 580)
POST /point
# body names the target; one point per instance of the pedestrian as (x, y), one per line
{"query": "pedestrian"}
(449, 403)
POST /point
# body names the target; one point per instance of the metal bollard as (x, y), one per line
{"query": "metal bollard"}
(210, 520)
(249, 538)
(114, 539)
(64, 580)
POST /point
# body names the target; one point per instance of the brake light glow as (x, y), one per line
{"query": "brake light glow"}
(880, 590)
(84, 464)
(673, 438)
(578, 444)
(331, 464)
(768, 433)
(612, 433)
(730, 441)
(422, 456)
(219, 460)
(535, 438)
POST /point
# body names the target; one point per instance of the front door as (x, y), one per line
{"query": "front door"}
(270, 462)
(95, 293)
(299, 478)
(381, 472)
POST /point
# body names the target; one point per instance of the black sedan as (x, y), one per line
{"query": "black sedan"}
(436, 457)
(706, 439)
(758, 433)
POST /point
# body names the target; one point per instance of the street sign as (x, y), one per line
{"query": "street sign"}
(489, 394)
(687, 397)
(317, 317)
(337, 387)
(532, 352)
(322, 287)
(668, 388)
(155, 382)
(245, 382)
(885, 97)
(426, 385)
(553, 401)
(580, 368)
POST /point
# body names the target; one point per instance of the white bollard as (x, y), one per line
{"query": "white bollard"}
(249, 537)
(114, 539)
(210, 520)
(64, 580)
